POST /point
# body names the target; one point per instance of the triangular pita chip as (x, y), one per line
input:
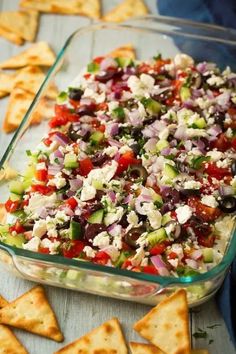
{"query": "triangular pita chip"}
(126, 51)
(7, 82)
(167, 325)
(9, 344)
(10, 36)
(37, 54)
(90, 8)
(125, 10)
(29, 78)
(22, 23)
(199, 351)
(142, 348)
(32, 312)
(106, 339)
(3, 302)
(7, 173)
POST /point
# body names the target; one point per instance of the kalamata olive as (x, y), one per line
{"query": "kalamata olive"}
(91, 208)
(228, 204)
(75, 94)
(72, 133)
(188, 192)
(132, 236)
(233, 168)
(98, 159)
(108, 75)
(219, 118)
(28, 225)
(123, 221)
(99, 194)
(200, 227)
(136, 148)
(136, 133)
(137, 172)
(151, 119)
(65, 225)
(170, 195)
(86, 110)
(93, 230)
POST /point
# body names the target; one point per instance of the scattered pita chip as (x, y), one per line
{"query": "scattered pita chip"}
(9, 343)
(142, 348)
(32, 312)
(90, 8)
(10, 36)
(37, 54)
(7, 173)
(167, 325)
(125, 10)
(29, 78)
(23, 23)
(45, 110)
(106, 339)
(3, 302)
(3, 219)
(7, 82)
(126, 51)
(199, 351)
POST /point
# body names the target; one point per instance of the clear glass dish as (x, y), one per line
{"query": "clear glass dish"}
(149, 36)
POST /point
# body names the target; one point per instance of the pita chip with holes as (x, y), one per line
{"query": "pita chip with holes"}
(90, 8)
(7, 173)
(32, 312)
(167, 325)
(22, 23)
(143, 348)
(9, 344)
(106, 339)
(38, 54)
(125, 10)
(126, 51)
(10, 36)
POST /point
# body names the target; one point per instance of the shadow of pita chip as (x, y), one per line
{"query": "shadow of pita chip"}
(90, 8)
(32, 312)
(125, 10)
(143, 348)
(105, 339)
(167, 325)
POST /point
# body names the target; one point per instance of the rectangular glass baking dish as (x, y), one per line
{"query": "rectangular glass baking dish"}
(149, 35)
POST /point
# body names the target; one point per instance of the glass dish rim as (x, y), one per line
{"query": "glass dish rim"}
(133, 25)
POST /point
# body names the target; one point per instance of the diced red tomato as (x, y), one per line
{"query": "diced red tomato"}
(11, 205)
(24, 203)
(222, 143)
(125, 161)
(150, 269)
(85, 166)
(102, 128)
(101, 257)
(57, 121)
(206, 241)
(87, 76)
(160, 63)
(18, 228)
(217, 172)
(232, 112)
(42, 175)
(102, 106)
(158, 249)
(74, 103)
(233, 143)
(44, 250)
(47, 141)
(42, 189)
(204, 212)
(172, 255)
(72, 203)
(63, 115)
(74, 249)
(98, 60)
(127, 263)
(144, 68)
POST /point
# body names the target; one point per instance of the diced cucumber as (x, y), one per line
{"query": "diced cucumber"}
(199, 123)
(152, 106)
(16, 241)
(170, 171)
(16, 187)
(96, 138)
(26, 183)
(4, 229)
(124, 62)
(185, 93)
(73, 275)
(162, 144)
(75, 231)
(29, 172)
(14, 197)
(207, 255)
(122, 258)
(97, 184)
(157, 199)
(70, 161)
(165, 219)
(156, 236)
(96, 217)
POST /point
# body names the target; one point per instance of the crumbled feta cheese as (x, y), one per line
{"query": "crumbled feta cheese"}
(132, 218)
(32, 245)
(163, 135)
(138, 257)
(174, 262)
(99, 98)
(111, 150)
(183, 214)
(41, 166)
(112, 105)
(87, 193)
(61, 217)
(101, 240)
(40, 228)
(51, 245)
(209, 200)
(183, 61)
(117, 242)
(103, 174)
(124, 149)
(154, 217)
(57, 181)
(141, 109)
(38, 201)
(142, 86)
(113, 253)
(142, 240)
(144, 262)
(89, 252)
(229, 133)
(215, 80)
(224, 163)
(192, 185)
(113, 216)
(215, 155)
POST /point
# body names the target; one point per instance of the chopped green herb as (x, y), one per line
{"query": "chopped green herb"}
(197, 162)
(200, 334)
(119, 113)
(93, 67)
(210, 341)
(56, 160)
(28, 153)
(62, 97)
(157, 57)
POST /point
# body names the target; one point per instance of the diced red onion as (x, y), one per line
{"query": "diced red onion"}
(223, 99)
(197, 93)
(191, 263)
(210, 95)
(83, 145)
(68, 211)
(142, 198)
(61, 138)
(204, 67)
(28, 235)
(75, 184)
(43, 213)
(113, 142)
(128, 199)
(112, 129)
(150, 145)
(160, 265)
(70, 193)
(134, 118)
(85, 101)
(200, 145)
(226, 190)
(166, 151)
(114, 229)
(188, 145)
(108, 62)
(180, 133)
(112, 196)
(58, 154)
(54, 169)
(215, 130)
(151, 180)
(189, 104)
(197, 254)
(160, 90)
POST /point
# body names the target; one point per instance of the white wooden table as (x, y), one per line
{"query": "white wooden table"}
(78, 313)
